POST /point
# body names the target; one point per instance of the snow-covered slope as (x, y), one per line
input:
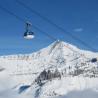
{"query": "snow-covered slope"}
(53, 71)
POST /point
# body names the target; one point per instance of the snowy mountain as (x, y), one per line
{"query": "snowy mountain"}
(53, 71)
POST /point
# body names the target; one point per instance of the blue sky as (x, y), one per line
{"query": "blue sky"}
(79, 17)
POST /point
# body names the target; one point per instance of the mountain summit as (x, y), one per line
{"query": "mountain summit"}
(52, 71)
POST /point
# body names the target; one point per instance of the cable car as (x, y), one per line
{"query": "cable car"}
(28, 33)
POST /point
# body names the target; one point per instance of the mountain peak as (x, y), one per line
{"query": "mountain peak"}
(63, 45)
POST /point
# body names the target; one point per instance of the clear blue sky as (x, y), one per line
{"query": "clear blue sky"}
(80, 17)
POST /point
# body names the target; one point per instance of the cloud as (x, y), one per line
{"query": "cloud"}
(81, 94)
(6, 90)
(78, 30)
(6, 85)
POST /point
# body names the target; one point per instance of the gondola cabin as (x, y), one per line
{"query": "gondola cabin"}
(28, 33)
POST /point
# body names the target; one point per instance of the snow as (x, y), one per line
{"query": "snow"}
(81, 94)
(18, 71)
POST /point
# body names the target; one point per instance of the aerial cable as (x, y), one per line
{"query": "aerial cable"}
(11, 13)
(24, 21)
(57, 26)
